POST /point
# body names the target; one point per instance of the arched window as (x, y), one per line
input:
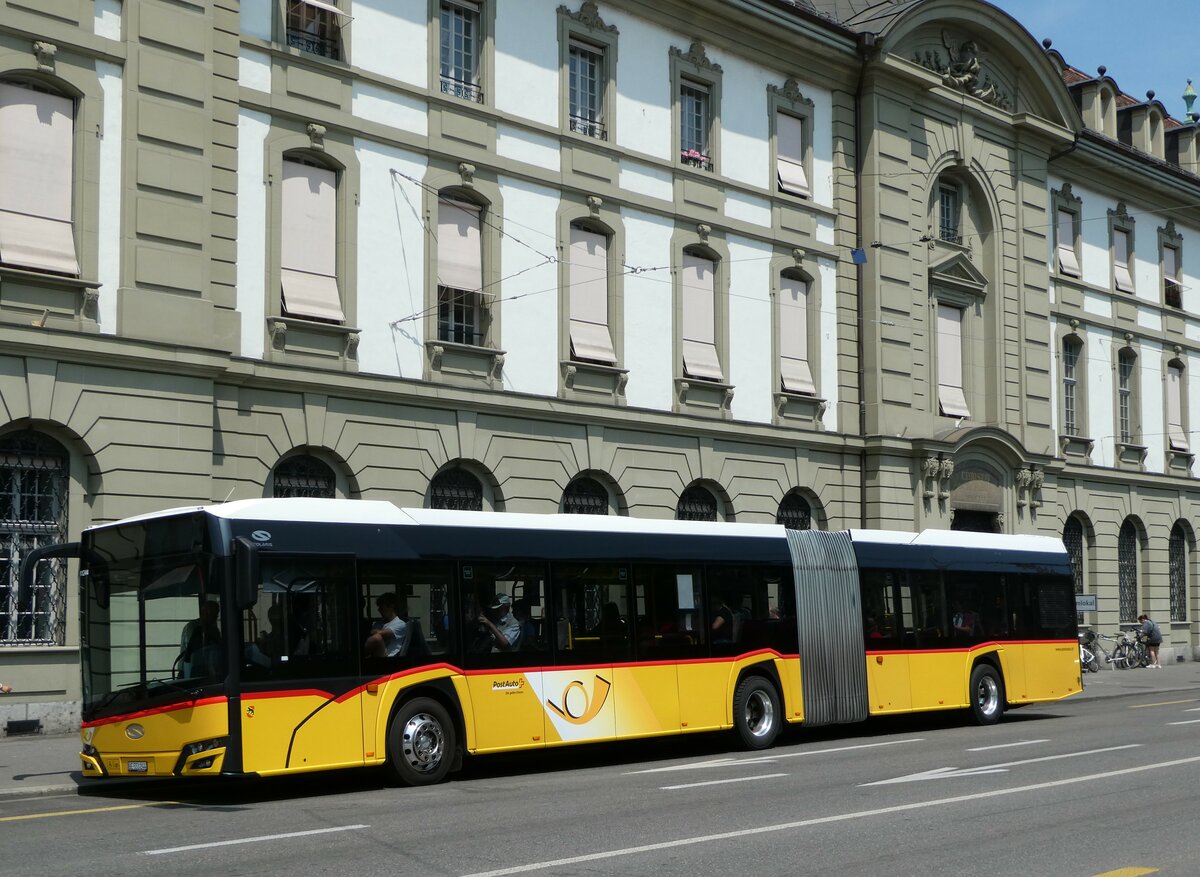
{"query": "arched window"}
(33, 513)
(1178, 555)
(794, 512)
(1127, 572)
(461, 311)
(696, 504)
(303, 475)
(309, 240)
(456, 489)
(585, 496)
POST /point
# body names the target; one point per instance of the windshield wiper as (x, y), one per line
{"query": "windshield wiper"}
(113, 695)
(174, 686)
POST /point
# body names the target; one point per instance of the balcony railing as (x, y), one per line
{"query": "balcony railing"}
(462, 89)
(326, 47)
(588, 128)
(696, 159)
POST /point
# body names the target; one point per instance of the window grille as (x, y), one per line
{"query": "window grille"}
(585, 496)
(794, 513)
(1127, 574)
(33, 514)
(313, 30)
(460, 44)
(1073, 540)
(303, 476)
(1178, 573)
(696, 504)
(456, 489)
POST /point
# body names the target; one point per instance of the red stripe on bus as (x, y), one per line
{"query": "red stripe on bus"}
(159, 710)
(974, 648)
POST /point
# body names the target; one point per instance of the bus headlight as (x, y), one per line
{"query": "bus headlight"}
(195, 749)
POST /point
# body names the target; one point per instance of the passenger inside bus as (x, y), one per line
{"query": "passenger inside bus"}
(389, 636)
(503, 628)
(201, 653)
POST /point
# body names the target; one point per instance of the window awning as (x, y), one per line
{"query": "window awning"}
(328, 7)
(311, 295)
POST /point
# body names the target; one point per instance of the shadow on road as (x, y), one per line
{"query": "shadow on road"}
(231, 793)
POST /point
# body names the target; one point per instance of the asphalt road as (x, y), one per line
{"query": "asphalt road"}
(1079, 788)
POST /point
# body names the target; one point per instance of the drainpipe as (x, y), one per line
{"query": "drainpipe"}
(866, 49)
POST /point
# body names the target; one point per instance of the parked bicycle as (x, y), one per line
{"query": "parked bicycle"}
(1123, 653)
(1088, 659)
(1129, 652)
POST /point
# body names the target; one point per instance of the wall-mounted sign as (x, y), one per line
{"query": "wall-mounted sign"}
(1085, 602)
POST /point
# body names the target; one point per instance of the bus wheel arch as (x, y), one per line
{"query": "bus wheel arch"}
(425, 735)
(985, 691)
(757, 708)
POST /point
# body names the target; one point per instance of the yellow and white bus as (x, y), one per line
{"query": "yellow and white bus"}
(245, 638)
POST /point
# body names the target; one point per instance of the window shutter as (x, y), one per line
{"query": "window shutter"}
(1067, 263)
(794, 369)
(700, 358)
(1179, 440)
(588, 272)
(1121, 276)
(789, 148)
(37, 132)
(951, 398)
(308, 258)
(460, 253)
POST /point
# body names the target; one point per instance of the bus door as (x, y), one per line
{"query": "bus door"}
(591, 633)
(405, 635)
(300, 667)
(505, 636)
(889, 637)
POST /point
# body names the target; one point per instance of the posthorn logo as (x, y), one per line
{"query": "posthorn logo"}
(260, 536)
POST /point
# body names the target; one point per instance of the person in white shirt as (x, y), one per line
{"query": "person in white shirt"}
(503, 627)
(390, 636)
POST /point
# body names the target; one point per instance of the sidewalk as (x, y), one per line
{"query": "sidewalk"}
(49, 765)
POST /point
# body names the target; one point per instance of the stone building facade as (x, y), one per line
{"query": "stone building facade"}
(761, 260)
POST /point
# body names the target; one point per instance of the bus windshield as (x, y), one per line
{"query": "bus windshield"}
(152, 630)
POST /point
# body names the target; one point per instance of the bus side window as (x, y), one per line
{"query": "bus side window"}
(668, 618)
(593, 621)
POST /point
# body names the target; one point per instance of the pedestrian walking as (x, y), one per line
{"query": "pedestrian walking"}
(1153, 637)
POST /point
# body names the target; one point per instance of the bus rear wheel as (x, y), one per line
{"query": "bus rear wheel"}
(756, 713)
(987, 694)
(421, 743)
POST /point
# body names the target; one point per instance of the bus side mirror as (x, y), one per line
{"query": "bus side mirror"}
(246, 572)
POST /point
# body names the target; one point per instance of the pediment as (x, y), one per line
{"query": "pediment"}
(965, 61)
(959, 272)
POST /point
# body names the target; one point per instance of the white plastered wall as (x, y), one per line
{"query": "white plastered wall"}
(1101, 415)
(380, 27)
(527, 56)
(649, 323)
(750, 323)
(109, 219)
(253, 128)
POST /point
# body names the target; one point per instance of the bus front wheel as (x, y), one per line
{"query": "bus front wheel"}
(756, 712)
(421, 743)
(987, 694)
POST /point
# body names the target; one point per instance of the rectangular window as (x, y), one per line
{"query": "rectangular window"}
(588, 272)
(794, 369)
(1175, 431)
(1172, 291)
(505, 615)
(1070, 362)
(313, 26)
(948, 214)
(1121, 276)
(1067, 262)
(460, 50)
(1125, 398)
(694, 118)
(789, 148)
(700, 358)
(308, 253)
(460, 272)
(593, 616)
(951, 399)
(37, 135)
(586, 90)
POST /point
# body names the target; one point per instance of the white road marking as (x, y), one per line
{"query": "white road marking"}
(1006, 745)
(252, 840)
(765, 776)
(766, 759)
(1188, 722)
(824, 820)
(1194, 709)
(947, 772)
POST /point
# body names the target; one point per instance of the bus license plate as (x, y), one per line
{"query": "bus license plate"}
(138, 766)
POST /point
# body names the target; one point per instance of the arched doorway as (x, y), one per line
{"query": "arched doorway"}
(976, 498)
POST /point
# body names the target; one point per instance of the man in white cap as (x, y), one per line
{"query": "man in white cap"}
(503, 626)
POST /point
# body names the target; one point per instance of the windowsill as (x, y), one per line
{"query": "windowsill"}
(1130, 456)
(592, 381)
(295, 339)
(703, 397)
(45, 278)
(469, 365)
(798, 409)
(1076, 447)
(1180, 461)
(46, 300)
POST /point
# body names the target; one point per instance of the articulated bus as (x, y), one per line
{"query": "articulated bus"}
(248, 638)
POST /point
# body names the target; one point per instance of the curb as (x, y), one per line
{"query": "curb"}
(39, 791)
